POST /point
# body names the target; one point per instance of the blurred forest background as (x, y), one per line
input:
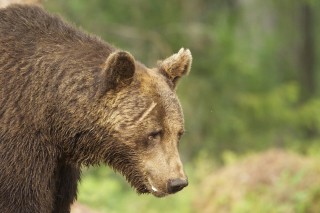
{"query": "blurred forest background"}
(251, 101)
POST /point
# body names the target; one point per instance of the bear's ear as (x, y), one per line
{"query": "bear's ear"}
(119, 70)
(177, 65)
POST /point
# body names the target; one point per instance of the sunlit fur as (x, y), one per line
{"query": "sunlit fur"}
(69, 99)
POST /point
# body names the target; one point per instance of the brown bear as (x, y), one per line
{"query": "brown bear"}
(69, 99)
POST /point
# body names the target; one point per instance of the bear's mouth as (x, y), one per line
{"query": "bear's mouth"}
(154, 190)
(149, 187)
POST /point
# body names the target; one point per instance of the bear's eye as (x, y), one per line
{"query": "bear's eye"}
(180, 134)
(156, 135)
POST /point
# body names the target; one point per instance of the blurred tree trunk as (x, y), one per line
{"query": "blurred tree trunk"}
(307, 74)
(4, 3)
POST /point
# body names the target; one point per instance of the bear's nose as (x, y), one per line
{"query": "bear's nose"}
(175, 185)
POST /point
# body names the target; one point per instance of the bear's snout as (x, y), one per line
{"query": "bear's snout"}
(175, 185)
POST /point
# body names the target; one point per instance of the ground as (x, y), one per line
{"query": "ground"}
(272, 181)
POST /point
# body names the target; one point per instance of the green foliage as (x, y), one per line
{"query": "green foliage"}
(246, 184)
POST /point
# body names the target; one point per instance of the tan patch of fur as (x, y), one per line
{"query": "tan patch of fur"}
(147, 112)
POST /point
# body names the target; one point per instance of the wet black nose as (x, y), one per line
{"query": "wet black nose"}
(175, 185)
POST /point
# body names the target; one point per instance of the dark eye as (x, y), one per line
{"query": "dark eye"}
(180, 134)
(156, 135)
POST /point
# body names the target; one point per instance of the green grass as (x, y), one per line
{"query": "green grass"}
(105, 191)
(270, 182)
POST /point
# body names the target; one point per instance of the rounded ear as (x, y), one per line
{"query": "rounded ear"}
(118, 70)
(177, 65)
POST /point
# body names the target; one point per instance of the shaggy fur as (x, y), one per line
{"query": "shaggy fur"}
(68, 99)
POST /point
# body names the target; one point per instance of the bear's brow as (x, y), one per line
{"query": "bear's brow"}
(147, 112)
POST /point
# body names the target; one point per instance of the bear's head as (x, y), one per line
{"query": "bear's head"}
(140, 122)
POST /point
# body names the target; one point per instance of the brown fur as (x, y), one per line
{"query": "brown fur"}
(69, 99)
